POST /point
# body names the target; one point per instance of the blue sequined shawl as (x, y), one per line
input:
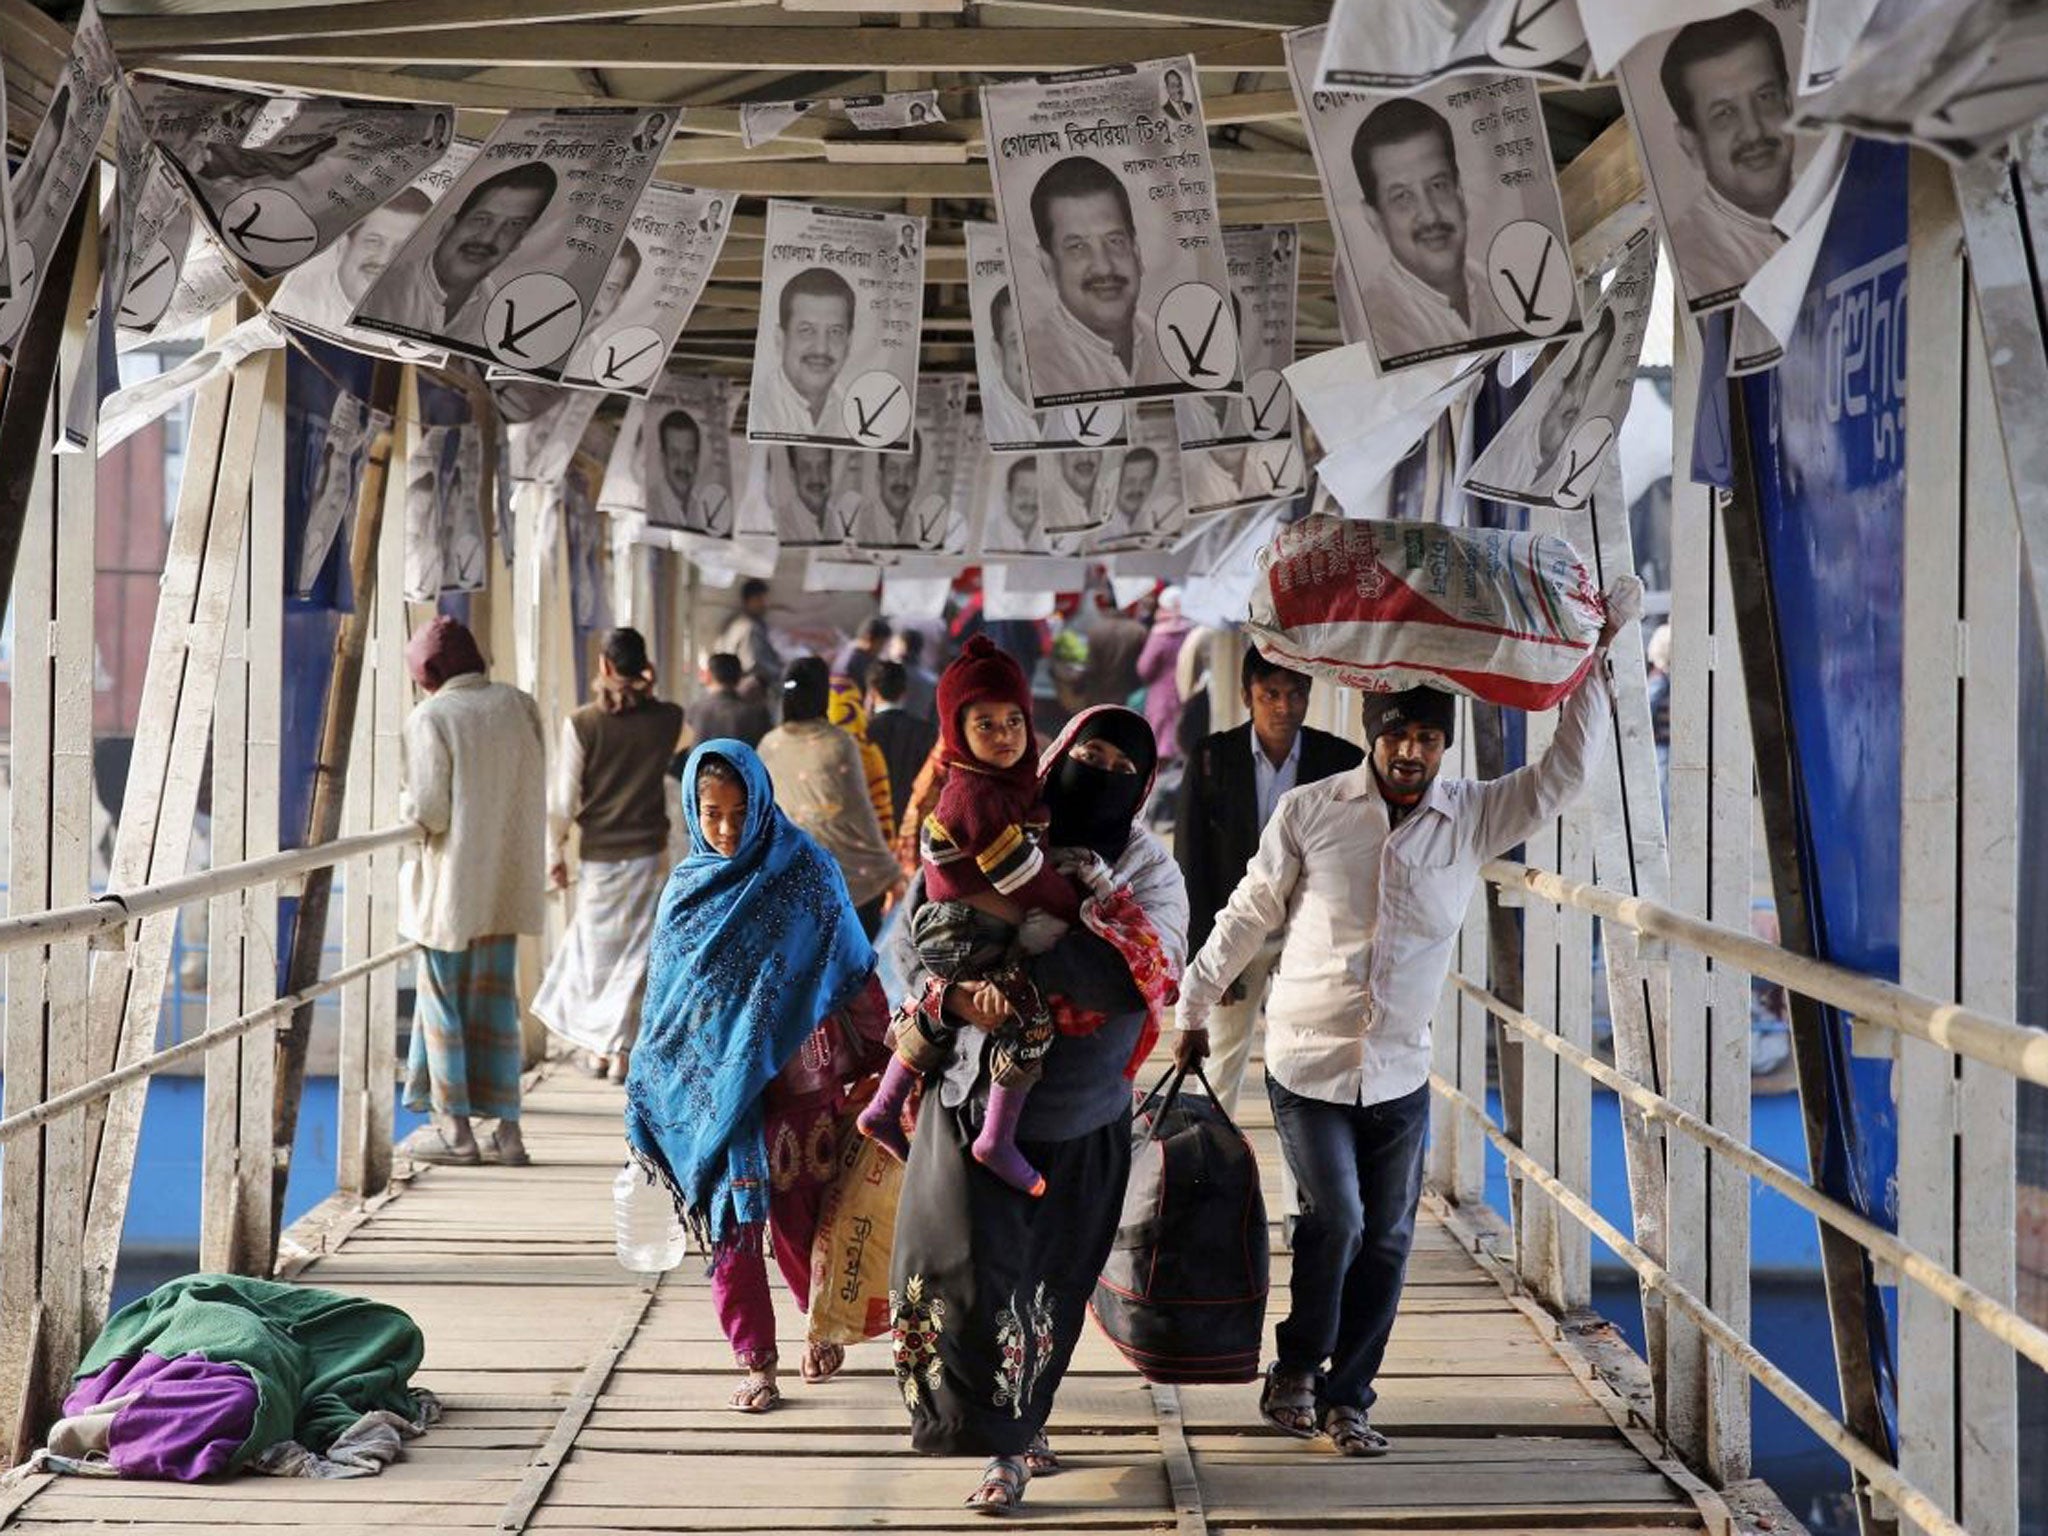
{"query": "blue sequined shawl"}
(748, 954)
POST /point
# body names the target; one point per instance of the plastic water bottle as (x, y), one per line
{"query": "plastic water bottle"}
(645, 1229)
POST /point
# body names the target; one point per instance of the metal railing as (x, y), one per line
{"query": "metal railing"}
(1997, 1043)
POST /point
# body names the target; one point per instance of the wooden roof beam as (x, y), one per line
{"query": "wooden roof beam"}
(1272, 15)
(673, 45)
(281, 24)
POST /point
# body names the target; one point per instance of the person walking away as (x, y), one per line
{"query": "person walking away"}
(1158, 670)
(608, 786)
(822, 786)
(1370, 874)
(475, 782)
(921, 696)
(987, 876)
(746, 636)
(845, 709)
(721, 710)
(1234, 779)
(990, 1285)
(762, 1006)
(905, 739)
(862, 651)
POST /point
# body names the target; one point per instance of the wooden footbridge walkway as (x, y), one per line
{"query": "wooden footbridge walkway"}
(580, 1400)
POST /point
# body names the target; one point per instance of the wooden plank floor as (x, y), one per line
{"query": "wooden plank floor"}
(510, 1273)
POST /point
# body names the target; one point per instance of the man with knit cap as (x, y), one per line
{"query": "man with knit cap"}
(1367, 876)
(475, 782)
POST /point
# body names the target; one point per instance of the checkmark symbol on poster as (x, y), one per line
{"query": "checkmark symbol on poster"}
(1522, 20)
(1279, 474)
(1260, 408)
(512, 333)
(1084, 422)
(615, 366)
(868, 418)
(158, 266)
(1196, 357)
(1527, 296)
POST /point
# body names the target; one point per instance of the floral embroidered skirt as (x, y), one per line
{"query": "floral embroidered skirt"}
(990, 1287)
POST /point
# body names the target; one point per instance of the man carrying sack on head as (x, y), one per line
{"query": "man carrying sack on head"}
(1369, 874)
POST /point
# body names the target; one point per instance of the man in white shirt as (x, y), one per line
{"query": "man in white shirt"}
(1431, 296)
(1368, 876)
(1097, 339)
(445, 298)
(797, 392)
(1731, 93)
(1069, 496)
(679, 444)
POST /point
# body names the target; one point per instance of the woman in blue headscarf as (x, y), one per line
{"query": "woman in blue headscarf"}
(762, 1006)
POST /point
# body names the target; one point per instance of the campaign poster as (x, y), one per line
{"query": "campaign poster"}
(1146, 501)
(761, 121)
(1009, 518)
(1107, 200)
(331, 474)
(1549, 453)
(1446, 212)
(811, 495)
(654, 282)
(506, 268)
(53, 171)
(684, 455)
(842, 306)
(907, 498)
(544, 426)
(898, 109)
(1009, 422)
(444, 497)
(319, 296)
(1222, 477)
(1710, 104)
(279, 179)
(1398, 45)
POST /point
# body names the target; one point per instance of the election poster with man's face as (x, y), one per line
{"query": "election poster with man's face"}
(1549, 452)
(53, 171)
(318, 296)
(1146, 502)
(906, 497)
(1009, 422)
(1710, 104)
(507, 266)
(811, 495)
(684, 455)
(842, 305)
(1446, 211)
(1107, 200)
(1397, 45)
(654, 282)
(280, 179)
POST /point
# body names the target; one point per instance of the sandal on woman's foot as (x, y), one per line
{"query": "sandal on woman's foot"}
(757, 1394)
(822, 1360)
(1287, 1401)
(1040, 1457)
(1352, 1436)
(1003, 1482)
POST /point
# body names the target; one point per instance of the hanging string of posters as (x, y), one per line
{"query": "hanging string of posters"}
(1550, 452)
(906, 498)
(653, 284)
(507, 266)
(673, 461)
(1238, 449)
(444, 497)
(52, 175)
(1446, 211)
(1107, 199)
(1147, 500)
(319, 295)
(761, 121)
(1398, 45)
(842, 305)
(1011, 425)
(1710, 103)
(279, 179)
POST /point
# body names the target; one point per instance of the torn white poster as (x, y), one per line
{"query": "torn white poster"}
(1446, 211)
(1550, 451)
(842, 305)
(507, 266)
(1397, 45)
(1107, 199)
(1710, 104)
(898, 109)
(1367, 423)
(654, 282)
(1011, 424)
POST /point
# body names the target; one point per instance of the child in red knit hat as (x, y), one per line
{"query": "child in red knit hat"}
(985, 870)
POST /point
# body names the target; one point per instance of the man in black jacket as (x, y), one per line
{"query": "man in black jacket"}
(1233, 780)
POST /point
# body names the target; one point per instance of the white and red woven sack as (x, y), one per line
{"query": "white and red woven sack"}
(1509, 618)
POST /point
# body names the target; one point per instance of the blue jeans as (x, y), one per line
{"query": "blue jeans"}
(1360, 1172)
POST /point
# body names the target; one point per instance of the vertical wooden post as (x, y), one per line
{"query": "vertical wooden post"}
(330, 782)
(49, 512)
(1708, 1068)
(174, 727)
(1538, 1256)
(1457, 1146)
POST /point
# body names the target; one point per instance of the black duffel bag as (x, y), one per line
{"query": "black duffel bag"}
(1183, 1296)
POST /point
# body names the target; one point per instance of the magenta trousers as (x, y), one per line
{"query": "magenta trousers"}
(803, 1146)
